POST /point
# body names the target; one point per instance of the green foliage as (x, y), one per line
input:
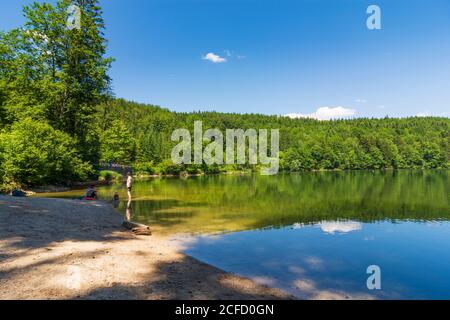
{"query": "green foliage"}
(57, 116)
(167, 167)
(57, 77)
(360, 144)
(55, 74)
(108, 175)
(144, 168)
(117, 144)
(34, 153)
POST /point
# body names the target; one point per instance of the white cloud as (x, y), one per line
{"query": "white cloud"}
(360, 100)
(340, 227)
(424, 114)
(430, 114)
(214, 58)
(326, 113)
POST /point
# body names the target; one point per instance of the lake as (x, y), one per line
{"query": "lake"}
(312, 234)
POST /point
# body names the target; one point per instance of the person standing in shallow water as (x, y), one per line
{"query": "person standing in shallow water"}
(129, 184)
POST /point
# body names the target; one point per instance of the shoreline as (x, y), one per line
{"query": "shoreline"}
(55, 249)
(142, 177)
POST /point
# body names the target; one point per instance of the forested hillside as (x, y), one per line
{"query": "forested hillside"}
(59, 119)
(305, 144)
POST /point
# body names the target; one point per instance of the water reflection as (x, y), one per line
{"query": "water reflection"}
(314, 234)
(116, 200)
(340, 227)
(333, 227)
(129, 212)
(330, 259)
(217, 204)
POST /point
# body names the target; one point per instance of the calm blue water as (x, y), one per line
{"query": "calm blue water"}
(381, 221)
(330, 259)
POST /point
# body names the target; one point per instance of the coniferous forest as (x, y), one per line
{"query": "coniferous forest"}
(59, 118)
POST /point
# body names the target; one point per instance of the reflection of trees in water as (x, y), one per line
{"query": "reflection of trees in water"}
(258, 201)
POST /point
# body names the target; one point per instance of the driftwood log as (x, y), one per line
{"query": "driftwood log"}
(137, 228)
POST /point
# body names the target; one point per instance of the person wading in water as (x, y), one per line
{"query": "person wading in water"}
(129, 184)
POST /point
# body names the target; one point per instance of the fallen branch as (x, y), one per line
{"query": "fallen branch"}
(137, 228)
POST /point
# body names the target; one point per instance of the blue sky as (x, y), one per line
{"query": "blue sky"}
(282, 57)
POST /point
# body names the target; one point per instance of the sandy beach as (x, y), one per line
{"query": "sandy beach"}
(65, 249)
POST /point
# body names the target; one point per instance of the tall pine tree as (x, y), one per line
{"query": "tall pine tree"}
(55, 73)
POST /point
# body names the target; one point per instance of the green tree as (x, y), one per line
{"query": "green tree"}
(56, 74)
(117, 144)
(33, 153)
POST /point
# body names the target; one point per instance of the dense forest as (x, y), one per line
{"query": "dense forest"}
(59, 119)
(305, 144)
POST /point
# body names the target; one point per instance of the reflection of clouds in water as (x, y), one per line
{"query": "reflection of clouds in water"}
(298, 226)
(434, 224)
(296, 270)
(308, 289)
(304, 285)
(190, 241)
(332, 227)
(340, 227)
(314, 263)
(264, 280)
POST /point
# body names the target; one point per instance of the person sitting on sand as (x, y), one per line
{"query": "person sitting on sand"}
(91, 193)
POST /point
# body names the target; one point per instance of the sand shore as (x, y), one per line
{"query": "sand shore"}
(65, 249)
